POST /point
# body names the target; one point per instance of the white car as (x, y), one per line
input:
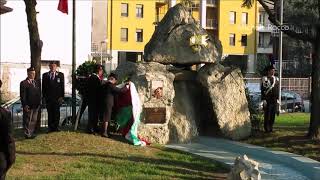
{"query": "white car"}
(15, 107)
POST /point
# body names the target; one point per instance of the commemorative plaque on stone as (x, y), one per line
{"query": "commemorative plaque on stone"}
(155, 115)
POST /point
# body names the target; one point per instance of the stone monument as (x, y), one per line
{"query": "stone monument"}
(180, 104)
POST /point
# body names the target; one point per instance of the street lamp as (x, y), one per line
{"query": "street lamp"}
(280, 52)
(102, 42)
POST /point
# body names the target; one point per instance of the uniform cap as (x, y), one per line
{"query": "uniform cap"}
(30, 69)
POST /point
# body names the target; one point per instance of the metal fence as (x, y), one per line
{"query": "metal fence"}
(14, 106)
(301, 86)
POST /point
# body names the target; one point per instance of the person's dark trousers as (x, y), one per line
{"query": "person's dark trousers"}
(83, 106)
(93, 118)
(3, 166)
(30, 121)
(53, 109)
(269, 116)
(107, 117)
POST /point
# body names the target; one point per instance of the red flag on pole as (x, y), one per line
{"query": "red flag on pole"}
(63, 6)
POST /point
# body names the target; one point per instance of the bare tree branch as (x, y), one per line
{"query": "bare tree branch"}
(319, 9)
(292, 33)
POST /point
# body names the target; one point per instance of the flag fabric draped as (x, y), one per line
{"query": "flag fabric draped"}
(128, 110)
(63, 6)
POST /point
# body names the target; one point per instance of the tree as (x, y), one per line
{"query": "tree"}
(295, 49)
(35, 42)
(307, 29)
(298, 53)
(262, 62)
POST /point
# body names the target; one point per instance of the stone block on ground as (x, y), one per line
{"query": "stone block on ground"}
(244, 169)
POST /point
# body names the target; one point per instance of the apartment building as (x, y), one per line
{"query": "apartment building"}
(265, 33)
(237, 33)
(130, 25)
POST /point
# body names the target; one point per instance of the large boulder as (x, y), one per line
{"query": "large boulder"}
(227, 92)
(170, 43)
(186, 114)
(143, 75)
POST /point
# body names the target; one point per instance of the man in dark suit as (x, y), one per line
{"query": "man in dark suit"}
(110, 90)
(53, 93)
(30, 95)
(270, 97)
(94, 99)
(7, 144)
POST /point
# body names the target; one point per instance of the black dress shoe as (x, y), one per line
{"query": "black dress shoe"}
(50, 131)
(30, 137)
(90, 131)
(106, 135)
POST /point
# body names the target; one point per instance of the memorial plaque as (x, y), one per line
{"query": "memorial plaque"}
(155, 115)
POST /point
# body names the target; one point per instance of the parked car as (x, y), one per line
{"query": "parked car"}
(290, 101)
(15, 107)
(256, 102)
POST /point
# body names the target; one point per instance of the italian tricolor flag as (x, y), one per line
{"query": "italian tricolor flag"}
(128, 110)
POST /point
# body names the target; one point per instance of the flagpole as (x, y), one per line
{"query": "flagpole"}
(73, 60)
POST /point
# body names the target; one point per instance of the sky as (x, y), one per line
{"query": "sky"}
(55, 30)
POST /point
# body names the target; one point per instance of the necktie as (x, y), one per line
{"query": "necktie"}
(52, 75)
(31, 81)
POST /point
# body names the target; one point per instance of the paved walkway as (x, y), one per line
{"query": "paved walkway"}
(272, 164)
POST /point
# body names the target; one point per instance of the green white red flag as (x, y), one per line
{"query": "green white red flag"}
(127, 115)
(63, 6)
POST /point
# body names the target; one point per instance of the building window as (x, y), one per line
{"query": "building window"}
(94, 47)
(124, 9)
(124, 34)
(232, 39)
(261, 18)
(139, 35)
(139, 11)
(244, 18)
(195, 6)
(244, 39)
(260, 44)
(232, 16)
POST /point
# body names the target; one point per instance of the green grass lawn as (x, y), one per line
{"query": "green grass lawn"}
(73, 155)
(289, 135)
(293, 119)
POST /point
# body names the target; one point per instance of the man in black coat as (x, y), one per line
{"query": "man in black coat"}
(110, 90)
(270, 97)
(94, 99)
(30, 96)
(7, 144)
(53, 93)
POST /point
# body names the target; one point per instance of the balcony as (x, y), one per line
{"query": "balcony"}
(265, 27)
(265, 48)
(212, 24)
(212, 3)
(269, 45)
